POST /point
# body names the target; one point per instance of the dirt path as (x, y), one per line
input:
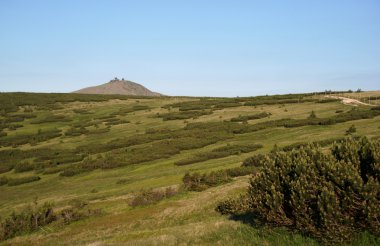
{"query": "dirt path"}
(349, 101)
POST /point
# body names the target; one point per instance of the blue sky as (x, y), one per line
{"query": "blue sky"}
(198, 47)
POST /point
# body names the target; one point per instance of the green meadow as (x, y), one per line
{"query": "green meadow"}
(104, 150)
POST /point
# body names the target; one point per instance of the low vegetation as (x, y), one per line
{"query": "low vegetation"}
(220, 153)
(34, 217)
(182, 115)
(148, 197)
(23, 180)
(330, 196)
(242, 118)
(53, 145)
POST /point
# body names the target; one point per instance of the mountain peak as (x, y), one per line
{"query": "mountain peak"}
(119, 87)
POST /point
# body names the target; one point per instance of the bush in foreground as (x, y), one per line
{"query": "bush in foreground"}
(33, 217)
(330, 196)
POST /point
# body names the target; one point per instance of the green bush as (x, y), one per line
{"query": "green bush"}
(50, 119)
(182, 115)
(251, 117)
(240, 171)
(23, 167)
(147, 197)
(3, 181)
(23, 180)
(33, 217)
(28, 220)
(255, 161)
(200, 182)
(40, 136)
(219, 153)
(330, 196)
(71, 171)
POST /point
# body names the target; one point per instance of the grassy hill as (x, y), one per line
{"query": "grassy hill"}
(103, 150)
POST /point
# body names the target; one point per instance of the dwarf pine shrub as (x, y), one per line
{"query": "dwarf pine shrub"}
(329, 196)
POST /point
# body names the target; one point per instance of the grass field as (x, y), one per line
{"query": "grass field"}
(188, 218)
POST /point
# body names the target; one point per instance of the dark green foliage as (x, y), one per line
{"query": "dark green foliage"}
(33, 217)
(240, 171)
(40, 136)
(28, 220)
(328, 100)
(199, 182)
(23, 180)
(354, 114)
(192, 136)
(71, 171)
(43, 157)
(127, 110)
(255, 161)
(220, 103)
(10, 102)
(50, 119)
(3, 181)
(5, 167)
(220, 153)
(86, 123)
(147, 197)
(156, 150)
(328, 196)
(351, 130)
(321, 143)
(13, 127)
(23, 166)
(250, 117)
(184, 115)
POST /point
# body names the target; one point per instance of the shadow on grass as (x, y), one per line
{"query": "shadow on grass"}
(248, 218)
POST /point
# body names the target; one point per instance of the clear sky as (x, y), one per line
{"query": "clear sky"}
(197, 47)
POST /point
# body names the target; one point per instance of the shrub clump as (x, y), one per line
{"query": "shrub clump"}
(255, 161)
(147, 197)
(33, 217)
(251, 117)
(3, 181)
(220, 153)
(23, 180)
(200, 182)
(329, 196)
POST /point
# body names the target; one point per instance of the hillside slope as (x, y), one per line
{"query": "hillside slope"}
(119, 87)
(100, 152)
